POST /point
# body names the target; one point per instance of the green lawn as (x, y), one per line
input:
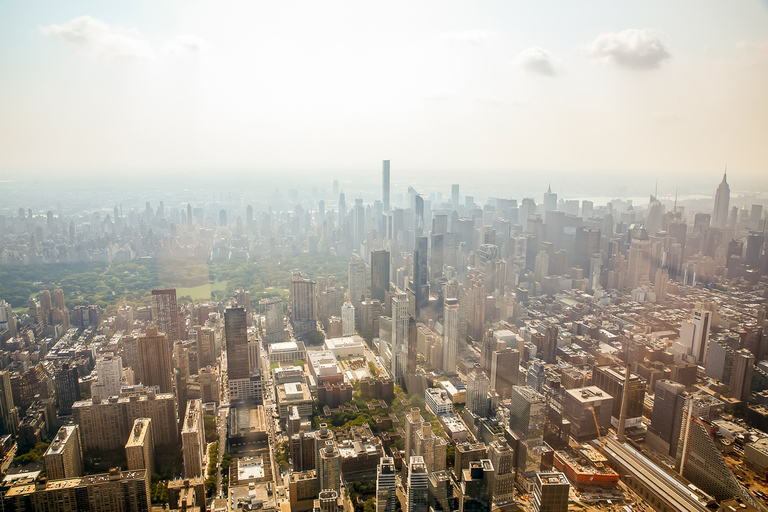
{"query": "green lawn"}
(202, 292)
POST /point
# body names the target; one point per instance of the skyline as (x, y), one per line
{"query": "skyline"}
(442, 89)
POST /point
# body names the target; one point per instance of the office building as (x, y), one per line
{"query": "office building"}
(527, 411)
(611, 380)
(476, 487)
(193, 440)
(505, 367)
(400, 334)
(667, 417)
(586, 408)
(347, 319)
(478, 387)
(64, 458)
(140, 447)
(551, 492)
(303, 308)
(417, 499)
(722, 201)
(379, 275)
(386, 486)
(7, 409)
(244, 381)
(155, 367)
(694, 334)
(165, 314)
(450, 334)
(206, 347)
(66, 380)
(502, 458)
(385, 186)
(741, 375)
(304, 488)
(274, 320)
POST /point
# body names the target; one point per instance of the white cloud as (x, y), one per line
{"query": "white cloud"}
(107, 41)
(186, 44)
(476, 37)
(631, 48)
(537, 60)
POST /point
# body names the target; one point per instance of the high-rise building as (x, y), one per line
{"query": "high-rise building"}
(694, 334)
(67, 384)
(7, 425)
(206, 347)
(450, 334)
(420, 273)
(741, 376)
(418, 486)
(106, 424)
(550, 200)
(357, 271)
(165, 313)
(193, 439)
(502, 457)
(329, 467)
(399, 362)
(385, 186)
(155, 366)
(115, 491)
(722, 201)
(274, 320)
(476, 487)
(64, 459)
(667, 417)
(347, 319)
(550, 493)
(109, 374)
(386, 486)
(244, 381)
(379, 275)
(304, 313)
(611, 379)
(454, 199)
(478, 387)
(140, 448)
(505, 366)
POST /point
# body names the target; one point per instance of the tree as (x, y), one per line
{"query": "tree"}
(315, 337)
(211, 433)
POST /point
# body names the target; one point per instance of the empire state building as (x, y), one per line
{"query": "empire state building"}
(722, 200)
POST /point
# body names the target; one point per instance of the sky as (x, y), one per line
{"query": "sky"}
(443, 89)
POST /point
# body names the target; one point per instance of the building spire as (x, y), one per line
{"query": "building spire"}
(675, 208)
(549, 188)
(725, 173)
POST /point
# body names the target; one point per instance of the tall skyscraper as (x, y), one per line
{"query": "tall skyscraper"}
(274, 320)
(450, 334)
(67, 384)
(140, 447)
(400, 317)
(357, 274)
(109, 374)
(418, 486)
(667, 417)
(550, 200)
(694, 334)
(379, 275)
(722, 201)
(478, 387)
(304, 311)
(385, 186)
(505, 366)
(64, 458)
(206, 347)
(193, 439)
(741, 376)
(165, 314)
(329, 467)
(7, 425)
(551, 492)
(420, 275)
(454, 199)
(386, 486)
(238, 364)
(155, 365)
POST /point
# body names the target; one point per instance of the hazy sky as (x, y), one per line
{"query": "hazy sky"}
(666, 88)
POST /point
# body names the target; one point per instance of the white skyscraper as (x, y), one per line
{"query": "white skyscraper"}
(399, 336)
(109, 374)
(722, 201)
(347, 319)
(357, 279)
(450, 334)
(386, 485)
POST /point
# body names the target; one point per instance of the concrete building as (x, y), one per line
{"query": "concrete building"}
(294, 394)
(438, 401)
(206, 347)
(551, 493)
(476, 487)
(578, 408)
(304, 487)
(116, 491)
(502, 458)
(109, 374)
(303, 307)
(155, 366)
(380, 275)
(527, 411)
(64, 459)
(329, 467)
(193, 440)
(347, 319)
(346, 347)
(140, 448)
(667, 417)
(611, 380)
(274, 320)
(165, 314)
(386, 486)
(418, 486)
(286, 352)
(106, 424)
(478, 387)
(450, 334)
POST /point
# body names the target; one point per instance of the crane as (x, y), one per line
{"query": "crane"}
(597, 426)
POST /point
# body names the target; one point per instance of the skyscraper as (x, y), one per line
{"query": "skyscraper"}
(385, 186)
(400, 317)
(304, 311)
(67, 388)
(450, 334)
(379, 275)
(155, 365)
(454, 200)
(478, 387)
(418, 486)
(165, 314)
(329, 467)
(722, 201)
(386, 487)
(193, 439)
(238, 364)
(550, 200)
(357, 274)
(667, 417)
(63, 459)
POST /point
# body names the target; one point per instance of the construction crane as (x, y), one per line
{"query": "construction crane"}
(597, 426)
